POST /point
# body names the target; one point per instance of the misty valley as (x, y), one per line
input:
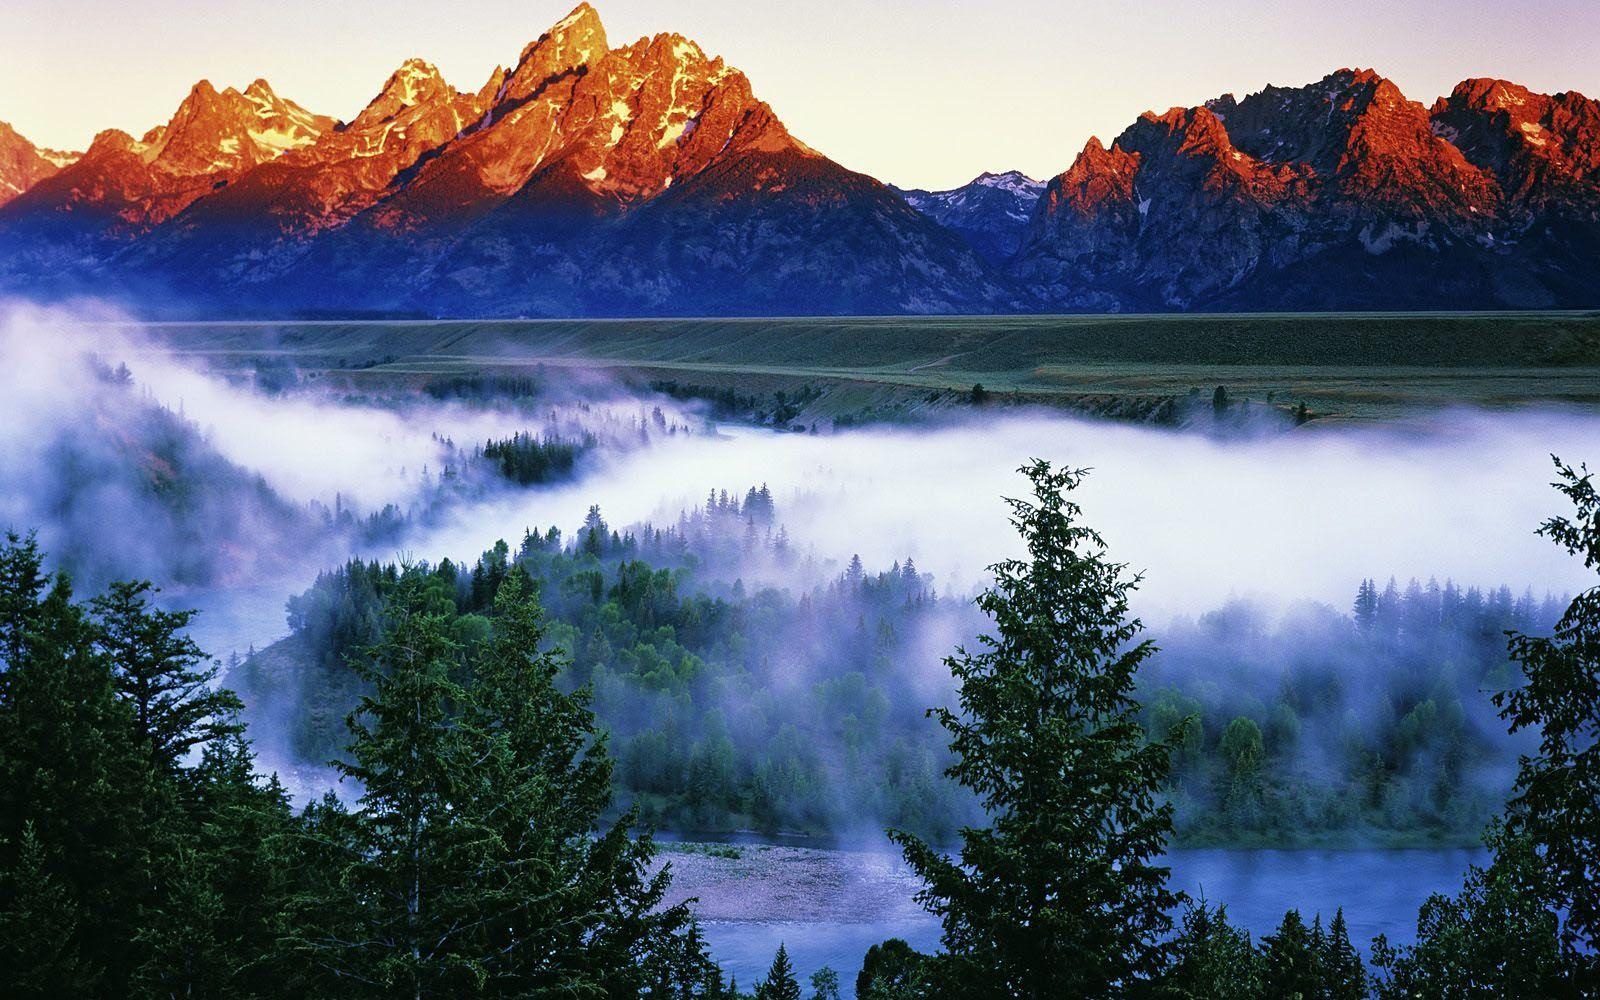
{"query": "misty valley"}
(758, 656)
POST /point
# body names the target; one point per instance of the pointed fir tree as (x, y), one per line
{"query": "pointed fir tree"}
(1554, 805)
(75, 779)
(1211, 959)
(1291, 959)
(1061, 895)
(1344, 977)
(162, 674)
(780, 983)
(401, 917)
(40, 927)
(571, 905)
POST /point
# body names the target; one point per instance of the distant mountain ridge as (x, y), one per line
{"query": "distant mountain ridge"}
(1339, 195)
(990, 212)
(647, 179)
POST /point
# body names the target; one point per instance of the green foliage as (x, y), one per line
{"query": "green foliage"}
(892, 970)
(712, 724)
(40, 928)
(161, 674)
(1499, 937)
(1558, 787)
(780, 982)
(527, 460)
(477, 862)
(1211, 959)
(1060, 895)
(695, 678)
(124, 870)
(1526, 924)
(825, 984)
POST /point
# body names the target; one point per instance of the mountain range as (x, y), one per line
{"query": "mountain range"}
(648, 179)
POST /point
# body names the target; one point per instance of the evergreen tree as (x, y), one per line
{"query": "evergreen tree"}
(681, 969)
(1557, 789)
(780, 983)
(1499, 937)
(1061, 895)
(40, 927)
(402, 919)
(570, 907)
(1211, 959)
(162, 674)
(892, 970)
(1343, 975)
(22, 586)
(1366, 606)
(73, 790)
(1292, 959)
(228, 879)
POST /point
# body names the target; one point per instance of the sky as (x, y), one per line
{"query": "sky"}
(917, 94)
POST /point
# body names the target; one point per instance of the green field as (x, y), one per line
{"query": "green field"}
(1362, 366)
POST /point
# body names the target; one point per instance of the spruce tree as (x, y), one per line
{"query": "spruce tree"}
(1343, 975)
(162, 674)
(401, 919)
(40, 928)
(570, 906)
(74, 783)
(1211, 959)
(22, 586)
(1292, 960)
(1061, 895)
(780, 983)
(1554, 806)
(229, 877)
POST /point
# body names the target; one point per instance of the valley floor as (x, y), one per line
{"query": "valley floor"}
(827, 371)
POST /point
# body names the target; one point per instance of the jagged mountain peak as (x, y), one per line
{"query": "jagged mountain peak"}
(22, 164)
(415, 83)
(1014, 181)
(990, 211)
(570, 44)
(586, 178)
(260, 90)
(226, 131)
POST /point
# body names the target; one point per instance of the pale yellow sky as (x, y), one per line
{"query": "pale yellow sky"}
(918, 94)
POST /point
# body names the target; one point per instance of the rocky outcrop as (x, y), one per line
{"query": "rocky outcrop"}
(1342, 194)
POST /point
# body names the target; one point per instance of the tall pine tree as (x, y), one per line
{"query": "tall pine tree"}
(1061, 895)
(1558, 788)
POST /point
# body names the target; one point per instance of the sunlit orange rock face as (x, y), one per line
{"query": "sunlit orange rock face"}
(22, 164)
(1279, 196)
(647, 178)
(128, 185)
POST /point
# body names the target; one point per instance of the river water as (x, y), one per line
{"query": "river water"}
(827, 907)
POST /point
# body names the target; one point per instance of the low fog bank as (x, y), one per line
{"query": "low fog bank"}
(232, 491)
(769, 706)
(1306, 515)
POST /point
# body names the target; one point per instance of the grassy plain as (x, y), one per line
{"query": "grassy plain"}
(1349, 365)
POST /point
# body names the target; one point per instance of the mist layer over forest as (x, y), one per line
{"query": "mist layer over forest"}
(763, 615)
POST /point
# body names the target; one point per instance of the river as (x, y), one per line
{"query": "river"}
(828, 906)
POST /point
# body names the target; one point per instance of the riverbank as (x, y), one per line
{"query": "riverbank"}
(828, 906)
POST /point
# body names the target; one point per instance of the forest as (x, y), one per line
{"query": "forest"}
(800, 710)
(143, 854)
